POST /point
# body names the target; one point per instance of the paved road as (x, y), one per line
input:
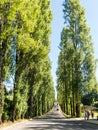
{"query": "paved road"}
(53, 121)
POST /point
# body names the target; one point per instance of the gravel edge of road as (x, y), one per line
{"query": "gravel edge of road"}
(8, 124)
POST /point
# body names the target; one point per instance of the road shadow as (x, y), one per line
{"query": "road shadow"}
(61, 124)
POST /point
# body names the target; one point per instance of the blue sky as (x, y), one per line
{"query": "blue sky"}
(91, 7)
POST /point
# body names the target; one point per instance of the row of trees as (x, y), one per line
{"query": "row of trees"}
(76, 63)
(24, 48)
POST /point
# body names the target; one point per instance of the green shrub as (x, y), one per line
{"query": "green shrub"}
(5, 116)
(96, 104)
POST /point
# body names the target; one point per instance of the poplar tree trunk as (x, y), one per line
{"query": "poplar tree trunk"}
(16, 89)
(43, 103)
(1, 82)
(73, 95)
(78, 110)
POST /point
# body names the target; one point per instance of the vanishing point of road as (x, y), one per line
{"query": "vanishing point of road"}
(54, 120)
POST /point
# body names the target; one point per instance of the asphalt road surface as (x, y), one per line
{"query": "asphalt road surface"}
(54, 120)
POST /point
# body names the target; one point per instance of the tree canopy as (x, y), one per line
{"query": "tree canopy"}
(76, 63)
(24, 47)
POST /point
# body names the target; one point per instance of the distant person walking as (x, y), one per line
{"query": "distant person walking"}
(87, 114)
(92, 114)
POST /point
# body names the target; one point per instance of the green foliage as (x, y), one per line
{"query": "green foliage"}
(7, 110)
(7, 106)
(76, 63)
(87, 99)
(90, 98)
(95, 104)
(25, 40)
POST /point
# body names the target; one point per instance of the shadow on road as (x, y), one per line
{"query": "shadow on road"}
(54, 120)
(60, 124)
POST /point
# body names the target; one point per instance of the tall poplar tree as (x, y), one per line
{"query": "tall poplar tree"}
(6, 32)
(76, 60)
(26, 17)
(41, 35)
(24, 48)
